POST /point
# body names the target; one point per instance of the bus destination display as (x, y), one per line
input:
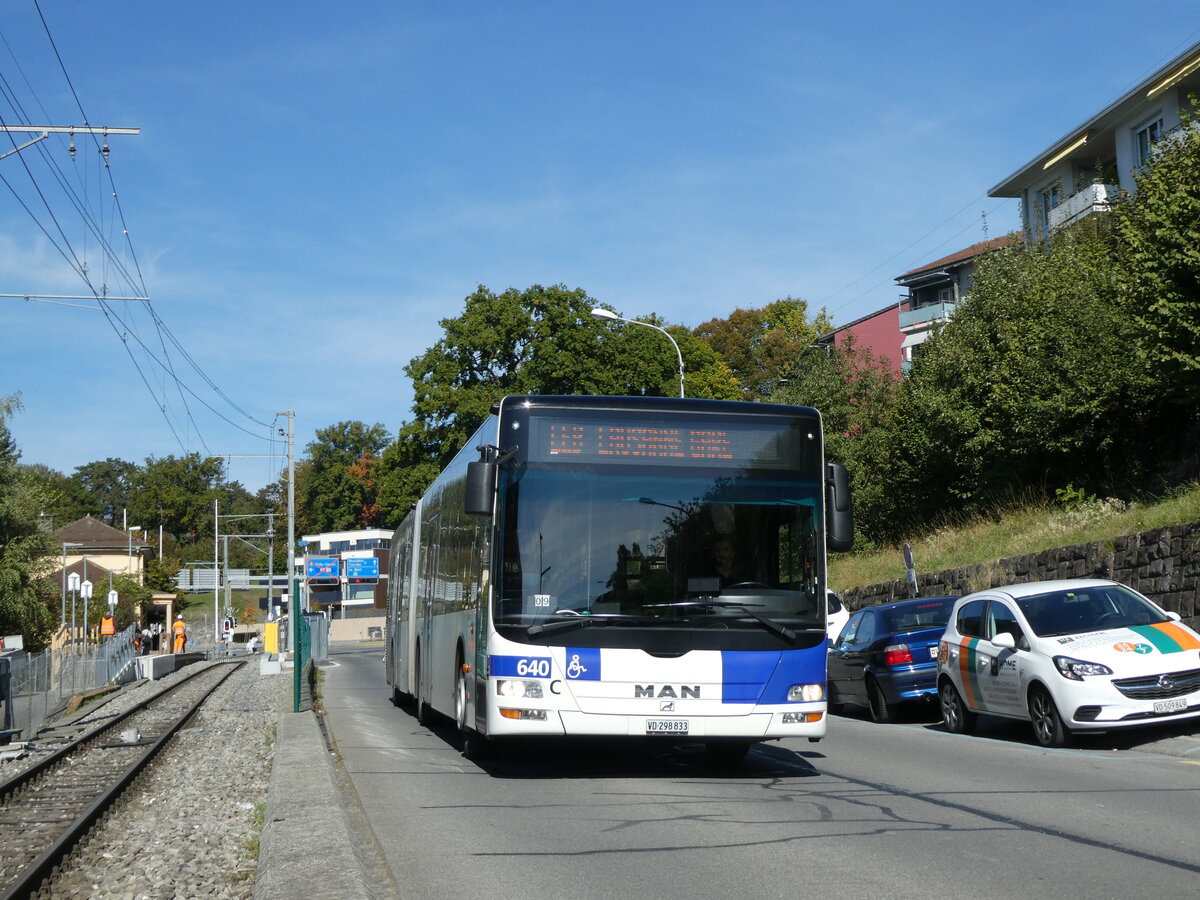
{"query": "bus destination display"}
(627, 442)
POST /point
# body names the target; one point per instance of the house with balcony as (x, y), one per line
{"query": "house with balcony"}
(1081, 172)
(934, 291)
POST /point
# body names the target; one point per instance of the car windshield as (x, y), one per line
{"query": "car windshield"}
(631, 547)
(1100, 608)
(919, 615)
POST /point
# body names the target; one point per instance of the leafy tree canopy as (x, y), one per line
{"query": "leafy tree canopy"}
(763, 346)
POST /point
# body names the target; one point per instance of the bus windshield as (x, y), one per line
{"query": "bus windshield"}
(729, 547)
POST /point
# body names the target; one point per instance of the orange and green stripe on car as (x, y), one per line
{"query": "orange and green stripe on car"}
(1167, 637)
(968, 672)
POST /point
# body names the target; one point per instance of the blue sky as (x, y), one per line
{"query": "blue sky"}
(315, 185)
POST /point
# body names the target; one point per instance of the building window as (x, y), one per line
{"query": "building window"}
(946, 295)
(1144, 140)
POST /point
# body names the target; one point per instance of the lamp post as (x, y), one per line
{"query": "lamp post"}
(600, 313)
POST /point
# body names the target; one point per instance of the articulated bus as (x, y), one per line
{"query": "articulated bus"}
(622, 566)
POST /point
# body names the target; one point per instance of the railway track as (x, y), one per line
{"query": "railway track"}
(46, 809)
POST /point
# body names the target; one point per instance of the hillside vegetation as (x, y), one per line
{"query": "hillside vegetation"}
(1029, 528)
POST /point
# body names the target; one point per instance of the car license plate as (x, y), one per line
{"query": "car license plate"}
(1179, 704)
(666, 726)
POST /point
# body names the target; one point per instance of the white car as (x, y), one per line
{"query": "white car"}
(836, 616)
(1084, 655)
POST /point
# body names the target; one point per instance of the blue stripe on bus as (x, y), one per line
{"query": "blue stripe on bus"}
(764, 676)
(521, 666)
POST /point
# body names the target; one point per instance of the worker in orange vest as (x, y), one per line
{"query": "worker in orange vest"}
(108, 625)
(180, 634)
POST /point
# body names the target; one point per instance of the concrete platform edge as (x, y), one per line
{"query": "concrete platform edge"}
(306, 849)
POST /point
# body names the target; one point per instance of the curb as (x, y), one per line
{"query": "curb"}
(306, 849)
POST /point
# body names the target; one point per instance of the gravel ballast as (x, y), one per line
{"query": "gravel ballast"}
(190, 826)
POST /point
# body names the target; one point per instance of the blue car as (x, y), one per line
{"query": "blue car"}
(887, 655)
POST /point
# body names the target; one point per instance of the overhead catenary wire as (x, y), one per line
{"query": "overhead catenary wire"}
(123, 264)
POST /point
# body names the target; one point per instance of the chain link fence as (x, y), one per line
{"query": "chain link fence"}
(35, 685)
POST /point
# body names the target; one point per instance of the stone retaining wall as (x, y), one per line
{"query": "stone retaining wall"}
(1163, 564)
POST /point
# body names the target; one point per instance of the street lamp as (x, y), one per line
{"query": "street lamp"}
(129, 557)
(600, 313)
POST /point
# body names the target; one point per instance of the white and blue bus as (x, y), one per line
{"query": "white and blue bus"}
(622, 566)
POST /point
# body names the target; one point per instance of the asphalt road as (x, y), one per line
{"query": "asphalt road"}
(894, 811)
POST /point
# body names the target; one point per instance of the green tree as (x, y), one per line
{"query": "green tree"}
(336, 487)
(26, 550)
(1158, 254)
(1030, 386)
(762, 346)
(176, 492)
(100, 489)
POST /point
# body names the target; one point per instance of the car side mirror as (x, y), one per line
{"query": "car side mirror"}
(1174, 616)
(1005, 641)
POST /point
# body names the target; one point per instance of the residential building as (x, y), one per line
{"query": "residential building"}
(342, 595)
(114, 550)
(878, 332)
(1083, 170)
(934, 292)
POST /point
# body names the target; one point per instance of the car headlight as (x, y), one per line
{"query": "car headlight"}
(511, 687)
(1076, 669)
(806, 693)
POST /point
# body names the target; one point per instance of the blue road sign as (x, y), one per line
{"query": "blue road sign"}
(362, 567)
(322, 567)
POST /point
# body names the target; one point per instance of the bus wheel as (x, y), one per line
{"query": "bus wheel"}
(424, 713)
(460, 697)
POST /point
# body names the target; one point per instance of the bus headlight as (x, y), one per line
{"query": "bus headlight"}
(510, 687)
(806, 693)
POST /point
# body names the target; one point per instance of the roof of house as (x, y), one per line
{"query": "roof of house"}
(93, 571)
(1183, 70)
(967, 253)
(92, 533)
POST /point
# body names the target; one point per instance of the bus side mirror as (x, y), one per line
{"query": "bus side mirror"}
(839, 520)
(481, 488)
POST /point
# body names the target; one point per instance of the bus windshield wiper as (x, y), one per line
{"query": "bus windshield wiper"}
(578, 621)
(748, 608)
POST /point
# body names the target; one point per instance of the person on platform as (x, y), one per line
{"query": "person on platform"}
(180, 631)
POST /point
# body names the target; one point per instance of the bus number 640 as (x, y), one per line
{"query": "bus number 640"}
(535, 668)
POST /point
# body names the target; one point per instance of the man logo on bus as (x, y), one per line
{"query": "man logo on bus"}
(667, 690)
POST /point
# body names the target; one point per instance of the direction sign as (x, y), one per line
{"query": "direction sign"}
(322, 568)
(361, 567)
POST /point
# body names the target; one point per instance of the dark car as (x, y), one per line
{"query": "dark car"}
(887, 655)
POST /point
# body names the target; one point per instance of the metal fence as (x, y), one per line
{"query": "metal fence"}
(40, 683)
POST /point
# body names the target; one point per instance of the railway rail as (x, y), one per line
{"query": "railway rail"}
(46, 809)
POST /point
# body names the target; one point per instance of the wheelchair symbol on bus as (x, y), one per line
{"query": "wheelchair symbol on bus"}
(575, 669)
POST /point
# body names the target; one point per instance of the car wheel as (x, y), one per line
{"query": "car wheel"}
(881, 711)
(958, 719)
(1048, 728)
(832, 703)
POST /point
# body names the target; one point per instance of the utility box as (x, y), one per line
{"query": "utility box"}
(271, 637)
